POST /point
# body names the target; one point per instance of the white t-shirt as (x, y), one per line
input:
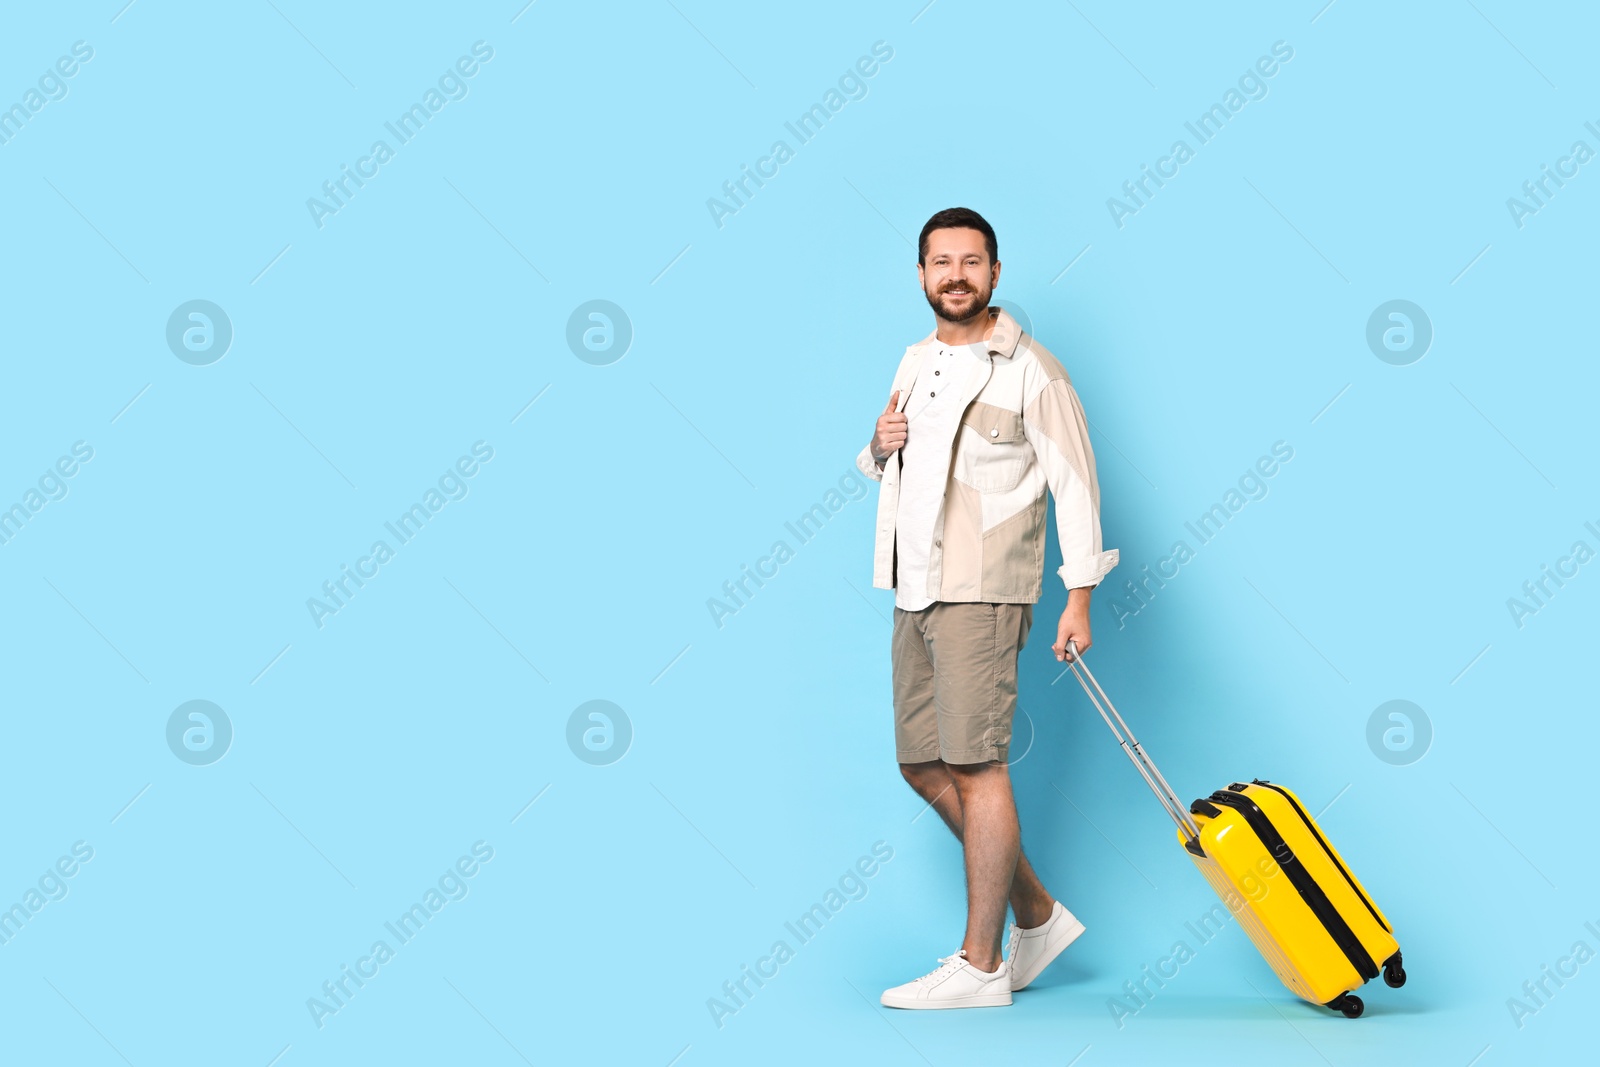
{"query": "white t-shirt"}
(931, 417)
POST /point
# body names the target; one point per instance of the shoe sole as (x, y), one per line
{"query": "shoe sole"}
(977, 1000)
(1071, 934)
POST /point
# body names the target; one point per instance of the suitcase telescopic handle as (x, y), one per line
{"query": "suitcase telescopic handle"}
(1136, 754)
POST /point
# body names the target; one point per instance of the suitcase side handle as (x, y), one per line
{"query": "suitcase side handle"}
(1136, 754)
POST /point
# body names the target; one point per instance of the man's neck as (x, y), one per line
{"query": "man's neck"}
(970, 332)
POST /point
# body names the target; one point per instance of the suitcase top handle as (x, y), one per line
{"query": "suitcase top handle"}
(1130, 744)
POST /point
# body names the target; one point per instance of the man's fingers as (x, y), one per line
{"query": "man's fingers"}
(891, 430)
(1060, 647)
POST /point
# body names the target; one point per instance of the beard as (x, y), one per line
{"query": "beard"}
(964, 309)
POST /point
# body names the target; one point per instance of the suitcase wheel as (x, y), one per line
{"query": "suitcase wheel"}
(1349, 1005)
(1394, 974)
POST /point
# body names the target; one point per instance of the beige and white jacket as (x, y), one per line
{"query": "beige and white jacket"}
(1022, 431)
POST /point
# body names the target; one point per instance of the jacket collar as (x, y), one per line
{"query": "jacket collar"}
(1004, 335)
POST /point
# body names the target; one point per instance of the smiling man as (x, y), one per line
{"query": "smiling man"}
(981, 421)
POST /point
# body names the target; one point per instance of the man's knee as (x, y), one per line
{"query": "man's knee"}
(992, 766)
(969, 776)
(932, 775)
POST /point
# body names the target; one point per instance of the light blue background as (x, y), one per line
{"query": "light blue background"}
(369, 354)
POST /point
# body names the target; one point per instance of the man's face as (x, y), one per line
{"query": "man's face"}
(957, 277)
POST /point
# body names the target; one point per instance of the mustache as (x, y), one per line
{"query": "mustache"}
(968, 288)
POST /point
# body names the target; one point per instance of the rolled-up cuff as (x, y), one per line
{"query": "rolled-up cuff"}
(868, 465)
(1088, 571)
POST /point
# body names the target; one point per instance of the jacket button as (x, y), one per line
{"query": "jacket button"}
(994, 433)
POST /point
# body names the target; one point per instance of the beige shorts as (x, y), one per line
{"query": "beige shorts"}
(955, 680)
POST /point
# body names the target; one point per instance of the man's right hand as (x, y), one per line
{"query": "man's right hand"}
(891, 432)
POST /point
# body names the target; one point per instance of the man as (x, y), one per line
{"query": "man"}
(981, 421)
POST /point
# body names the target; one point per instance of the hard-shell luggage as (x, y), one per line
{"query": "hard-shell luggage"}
(1263, 853)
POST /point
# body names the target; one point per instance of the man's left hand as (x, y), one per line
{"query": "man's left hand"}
(1074, 625)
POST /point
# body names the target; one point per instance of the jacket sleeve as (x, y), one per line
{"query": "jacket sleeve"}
(1054, 424)
(868, 465)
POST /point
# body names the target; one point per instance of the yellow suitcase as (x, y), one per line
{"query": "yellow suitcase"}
(1277, 873)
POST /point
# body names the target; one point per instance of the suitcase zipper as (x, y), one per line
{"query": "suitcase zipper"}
(1315, 833)
(1306, 885)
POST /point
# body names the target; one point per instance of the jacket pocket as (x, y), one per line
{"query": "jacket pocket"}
(994, 463)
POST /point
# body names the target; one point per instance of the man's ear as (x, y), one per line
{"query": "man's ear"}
(921, 282)
(994, 278)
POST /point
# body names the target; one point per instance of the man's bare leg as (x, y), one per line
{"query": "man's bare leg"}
(1031, 903)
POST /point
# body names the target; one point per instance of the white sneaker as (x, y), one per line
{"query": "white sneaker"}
(1032, 950)
(955, 984)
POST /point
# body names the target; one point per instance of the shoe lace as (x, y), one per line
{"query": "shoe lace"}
(1013, 941)
(947, 965)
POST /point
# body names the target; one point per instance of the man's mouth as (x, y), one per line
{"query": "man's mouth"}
(958, 292)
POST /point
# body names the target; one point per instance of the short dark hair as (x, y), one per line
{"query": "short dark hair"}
(952, 218)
